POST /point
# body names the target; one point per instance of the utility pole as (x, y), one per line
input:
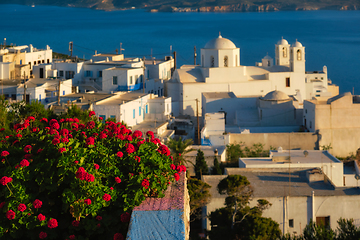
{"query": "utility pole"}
(197, 119)
(143, 78)
(58, 97)
(71, 48)
(195, 55)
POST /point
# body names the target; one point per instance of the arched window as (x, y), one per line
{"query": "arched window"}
(284, 52)
(226, 60)
(212, 61)
(269, 63)
(299, 55)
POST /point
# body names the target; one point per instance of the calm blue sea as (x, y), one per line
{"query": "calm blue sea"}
(331, 38)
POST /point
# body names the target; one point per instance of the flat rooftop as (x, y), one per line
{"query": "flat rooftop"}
(296, 157)
(122, 98)
(279, 183)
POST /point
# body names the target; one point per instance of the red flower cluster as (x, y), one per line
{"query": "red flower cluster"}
(130, 148)
(27, 148)
(83, 175)
(75, 223)
(137, 134)
(176, 176)
(10, 214)
(24, 163)
(90, 125)
(5, 180)
(22, 207)
(181, 168)
(61, 150)
(145, 183)
(90, 141)
(137, 158)
(118, 236)
(37, 203)
(107, 197)
(164, 150)
(87, 201)
(120, 154)
(52, 223)
(125, 217)
(42, 235)
(96, 166)
(91, 113)
(41, 217)
(117, 180)
(4, 153)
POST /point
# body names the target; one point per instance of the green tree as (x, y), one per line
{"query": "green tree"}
(76, 112)
(201, 168)
(199, 196)
(233, 152)
(216, 170)
(312, 231)
(238, 220)
(347, 230)
(178, 148)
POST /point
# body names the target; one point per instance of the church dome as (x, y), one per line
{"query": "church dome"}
(276, 96)
(220, 43)
(297, 44)
(282, 42)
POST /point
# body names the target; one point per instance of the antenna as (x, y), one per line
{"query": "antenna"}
(121, 48)
(71, 48)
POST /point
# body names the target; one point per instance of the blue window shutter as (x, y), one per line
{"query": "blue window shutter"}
(146, 109)
(139, 111)
(133, 113)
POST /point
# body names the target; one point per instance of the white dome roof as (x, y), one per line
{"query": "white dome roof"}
(267, 57)
(282, 42)
(220, 43)
(297, 44)
(276, 96)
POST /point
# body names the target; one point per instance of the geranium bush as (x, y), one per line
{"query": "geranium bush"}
(65, 179)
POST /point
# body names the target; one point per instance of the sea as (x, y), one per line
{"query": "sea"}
(331, 38)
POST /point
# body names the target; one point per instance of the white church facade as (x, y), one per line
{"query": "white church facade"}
(221, 71)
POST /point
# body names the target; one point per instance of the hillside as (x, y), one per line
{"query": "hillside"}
(202, 5)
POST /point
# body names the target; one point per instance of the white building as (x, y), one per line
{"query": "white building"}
(300, 186)
(221, 71)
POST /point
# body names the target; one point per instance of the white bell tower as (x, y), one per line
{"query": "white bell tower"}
(282, 53)
(297, 57)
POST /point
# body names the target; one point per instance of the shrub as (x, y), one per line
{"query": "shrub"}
(66, 179)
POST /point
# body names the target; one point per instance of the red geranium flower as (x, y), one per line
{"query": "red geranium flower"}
(87, 201)
(137, 134)
(52, 223)
(22, 207)
(176, 176)
(10, 214)
(130, 148)
(125, 217)
(5, 180)
(4, 153)
(24, 163)
(41, 217)
(137, 158)
(37, 203)
(90, 141)
(61, 150)
(107, 197)
(96, 166)
(42, 235)
(75, 223)
(117, 180)
(118, 236)
(120, 154)
(99, 218)
(145, 183)
(91, 113)
(55, 141)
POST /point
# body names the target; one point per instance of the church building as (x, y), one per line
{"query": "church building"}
(221, 71)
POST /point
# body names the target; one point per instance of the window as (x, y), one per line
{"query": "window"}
(63, 92)
(284, 52)
(298, 55)
(43, 61)
(146, 108)
(133, 113)
(100, 74)
(39, 62)
(287, 82)
(269, 63)
(139, 111)
(318, 90)
(113, 117)
(103, 117)
(131, 80)
(34, 62)
(39, 97)
(48, 61)
(61, 73)
(226, 60)
(88, 73)
(212, 61)
(291, 223)
(115, 82)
